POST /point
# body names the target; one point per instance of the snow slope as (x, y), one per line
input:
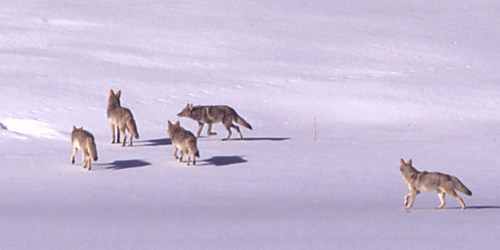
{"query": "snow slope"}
(384, 80)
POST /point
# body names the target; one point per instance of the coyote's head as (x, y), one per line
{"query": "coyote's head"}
(114, 98)
(186, 111)
(171, 126)
(406, 167)
(75, 129)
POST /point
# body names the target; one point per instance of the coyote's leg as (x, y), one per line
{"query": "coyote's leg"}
(229, 133)
(186, 152)
(118, 134)
(75, 149)
(410, 198)
(441, 196)
(461, 201)
(131, 138)
(113, 133)
(238, 130)
(453, 193)
(175, 152)
(85, 158)
(194, 158)
(200, 127)
(89, 161)
(122, 130)
(181, 155)
(210, 130)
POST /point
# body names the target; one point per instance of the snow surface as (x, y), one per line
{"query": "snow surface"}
(385, 80)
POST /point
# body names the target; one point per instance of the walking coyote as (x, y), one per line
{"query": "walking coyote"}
(213, 114)
(430, 181)
(83, 140)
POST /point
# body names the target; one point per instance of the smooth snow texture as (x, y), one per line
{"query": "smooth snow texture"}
(384, 80)
(28, 127)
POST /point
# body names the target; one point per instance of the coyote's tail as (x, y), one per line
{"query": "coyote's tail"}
(133, 128)
(460, 186)
(242, 122)
(92, 149)
(193, 147)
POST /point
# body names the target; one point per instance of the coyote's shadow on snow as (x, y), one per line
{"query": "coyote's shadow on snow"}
(261, 139)
(222, 161)
(125, 164)
(485, 207)
(478, 207)
(154, 142)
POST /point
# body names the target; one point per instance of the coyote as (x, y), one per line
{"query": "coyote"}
(83, 140)
(211, 114)
(120, 117)
(430, 181)
(184, 140)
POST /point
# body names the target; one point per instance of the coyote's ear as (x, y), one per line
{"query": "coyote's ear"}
(190, 106)
(178, 123)
(402, 162)
(118, 93)
(169, 123)
(111, 93)
(74, 127)
(410, 162)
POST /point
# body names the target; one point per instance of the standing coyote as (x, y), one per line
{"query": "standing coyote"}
(83, 140)
(430, 181)
(212, 114)
(120, 117)
(183, 140)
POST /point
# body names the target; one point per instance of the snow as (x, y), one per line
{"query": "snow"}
(384, 80)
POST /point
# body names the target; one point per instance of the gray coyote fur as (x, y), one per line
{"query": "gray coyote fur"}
(213, 114)
(184, 140)
(121, 118)
(83, 140)
(430, 181)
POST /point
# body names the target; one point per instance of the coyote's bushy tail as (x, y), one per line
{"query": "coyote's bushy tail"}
(193, 147)
(133, 128)
(460, 186)
(92, 149)
(242, 122)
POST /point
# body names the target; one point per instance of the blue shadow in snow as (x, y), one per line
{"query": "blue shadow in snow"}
(222, 161)
(127, 164)
(154, 142)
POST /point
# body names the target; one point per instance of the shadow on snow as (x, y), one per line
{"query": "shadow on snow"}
(222, 161)
(125, 164)
(261, 139)
(154, 142)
